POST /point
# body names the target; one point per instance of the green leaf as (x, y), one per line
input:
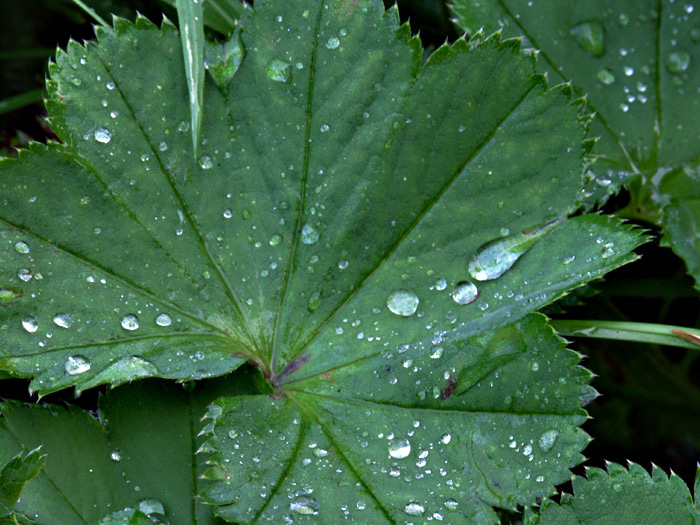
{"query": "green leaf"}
(637, 64)
(221, 15)
(191, 18)
(139, 455)
(223, 59)
(15, 475)
(621, 496)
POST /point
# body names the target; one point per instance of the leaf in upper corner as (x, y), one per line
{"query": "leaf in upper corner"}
(15, 475)
(621, 496)
(639, 65)
(139, 455)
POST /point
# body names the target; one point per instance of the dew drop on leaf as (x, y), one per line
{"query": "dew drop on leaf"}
(25, 274)
(309, 235)
(275, 240)
(445, 439)
(304, 505)
(279, 71)
(205, 162)
(402, 302)
(163, 320)
(414, 509)
(62, 320)
(399, 448)
(77, 364)
(451, 504)
(103, 135)
(548, 439)
(314, 301)
(151, 506)
(440, 284)
(465, 292)
(677, 62)
(116, 455)
(130, 322)
(590, 35)
(436, 352)
(332, 43)
(30, 324)
(21, 247)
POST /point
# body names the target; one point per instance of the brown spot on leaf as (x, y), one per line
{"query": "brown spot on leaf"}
(449, 389)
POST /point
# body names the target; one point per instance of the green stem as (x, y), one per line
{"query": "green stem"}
(21, 100)
(662, 334)
(90, 11)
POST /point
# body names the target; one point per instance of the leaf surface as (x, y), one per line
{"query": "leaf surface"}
(619, 495)
(15, 475)
(637, 64)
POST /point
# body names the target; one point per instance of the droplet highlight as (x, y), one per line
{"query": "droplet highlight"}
(279, 71)
(77, 364)
(465, 292)
(304, 505)
(399, 448)
(130, 322)
(309, 235)
(402, 302)
(590, 35)
(62, 320)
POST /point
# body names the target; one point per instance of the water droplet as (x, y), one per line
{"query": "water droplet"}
(314, 301)
(164, 320)
(279, 71)
(62, 320)
(535, 366)
(590, 35)
(102, 135)
(163, 146)
(629, 71)
(309, 235)
(183, 126)
(465, 292)
(324, 128)
(608, 250)
(228, 214)
(275, 239)
(402, 302)
(151, 506)
(205, 162)
(695, 34)
(617, 487)
(451, 504)
(332, 43)
(320, 453)
(304, 505)
(414, 509)
(21, 247)
(30, 324)
(25, 274)
(399, 448)
(445, 439)
(548, 439)
(77, 364)
(130, 322)
(440, 284)
(677, 62)
(110, 85)
(116, 455)
(436, 352)
(496, 257)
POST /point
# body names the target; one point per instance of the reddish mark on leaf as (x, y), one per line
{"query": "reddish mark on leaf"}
(328, 377)
(291, 367)
(449, 389)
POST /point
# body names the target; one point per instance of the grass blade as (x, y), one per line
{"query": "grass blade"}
(90, 11)
(21, 100)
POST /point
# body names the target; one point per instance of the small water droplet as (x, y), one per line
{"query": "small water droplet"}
(163, 320)
(548, 439)
(677, 62)
(309, 235)
(332, 43)
(30, 324)
(62, 320)
(440, 284)
(275, 239)
(102, 135)
(25, 274)
(21, 247)
(535, 366)
(342, 264)
(324, 128)
(445, 439)
(590, 35)
(130, 322)
(402, 302)
(414, 509)
(228, 214)
(436, 352)
(465, 292)
(629, 71)
(110, 85)
(205, 162)
(314, 301)
(116, 455)
(320, 453)
(608, 250)
(77, 364)
(304, 505)
(399, 448)
(151, 506)
(279, 71)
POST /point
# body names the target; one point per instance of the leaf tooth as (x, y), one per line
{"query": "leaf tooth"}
(121, 25)
(167, 25)
(144, 23)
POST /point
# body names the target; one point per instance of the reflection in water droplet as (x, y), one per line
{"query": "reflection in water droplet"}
(205, 162)
(414, 509)
(332, 43)
(677, 61)
(21, 247)
(314, 301)
(151, 506)
(163, 320)
(30, 324)
(116, 455)
(465, 292)
(279, 71)
(399, 448)
(25, 274)
(445, 439)
(548, 439)
(304, 505)
(275, 240)
(402, 302)
(440, 284)
(77, 364)
(63, 320)
(590, 35)
(102, 135)
(451, 504)
(130, 322)
(309, 235)
(436, 352)
(496, 257)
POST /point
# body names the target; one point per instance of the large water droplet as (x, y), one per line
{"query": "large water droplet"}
(279, 71)
(314, 301)
(414, 509)
(496, 257)
(304, 505)
(25, 274)
(151, 506)
(309, 235)
(451, 504)
(465, 292)
(63, 320)
(30, 324)
(606, 76)
(677, 61)
(402, 302)
(205, 162)
(590, 35)
(21, 247)
(332, 43)
(77, 364)
(548, 439)
(164, 320)
(399, 448)
(102, 135)
(130, 322)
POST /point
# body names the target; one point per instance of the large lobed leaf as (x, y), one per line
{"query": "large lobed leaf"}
(637, 63)
(323, 234)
